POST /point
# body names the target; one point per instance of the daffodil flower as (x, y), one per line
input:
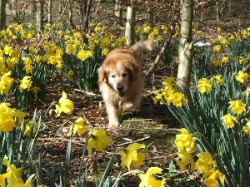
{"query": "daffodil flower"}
(229, 120)
(65, 105)
(14, 176)
(79, 126)
(6, 83)
(185, 141)
(149, 179)
(186, 159)
(10, 117)
(131, 155)
(26, 83)
(241, 76)
(98, 140)
(31, 128)
(237, 106)
(246, 128)
(205, 85)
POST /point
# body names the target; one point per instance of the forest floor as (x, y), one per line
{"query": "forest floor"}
(151, 124)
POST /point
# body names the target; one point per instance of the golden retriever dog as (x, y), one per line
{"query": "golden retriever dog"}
(121, 80)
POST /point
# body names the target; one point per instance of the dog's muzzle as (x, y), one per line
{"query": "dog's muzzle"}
(120, 90)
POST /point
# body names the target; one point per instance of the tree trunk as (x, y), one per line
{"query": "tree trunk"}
(86, 5)
(49, 11)
(217, 10)
(39, 15)
(186, 46)
(2, 14)
(118, 11)
(129, 30)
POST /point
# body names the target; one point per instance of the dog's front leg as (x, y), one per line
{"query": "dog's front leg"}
(113, 115)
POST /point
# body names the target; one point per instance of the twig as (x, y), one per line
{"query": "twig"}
(162, 52)
(139, 140)
(172, 155)
(86, 92)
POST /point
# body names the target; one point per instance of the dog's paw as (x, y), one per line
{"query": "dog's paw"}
(113, 125)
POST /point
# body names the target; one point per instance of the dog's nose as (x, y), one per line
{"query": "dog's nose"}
(120, 88)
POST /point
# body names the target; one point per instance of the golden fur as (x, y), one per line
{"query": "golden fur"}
(121, 81)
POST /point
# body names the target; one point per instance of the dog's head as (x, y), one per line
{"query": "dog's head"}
(118, 75)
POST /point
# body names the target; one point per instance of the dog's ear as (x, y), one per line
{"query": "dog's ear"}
(133, 71)
(102, 75)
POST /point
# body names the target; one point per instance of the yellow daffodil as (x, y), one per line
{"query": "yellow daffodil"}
(178, 99)
(225, 59)
(229, 120)
(205, 85)
(84, 55)
(29, 68)
(6, 83)
(208, 166)
(214, 178)
(10, 117)
(232, 40)
(217, 63)
(149, 179)
(70, 73)
(35, 89)
(98, 140)
(14, 176)
(205, 163)
(218, 48)
(31, 128)
(237, 106)
(241, 76)
(79, 126)
(26, 83)
(65, 105)
(3, 179)
(218, 79)
(169, 82)
(185, 141)
(246, 128)
(131, 155)
(186, 159)
(242, 60)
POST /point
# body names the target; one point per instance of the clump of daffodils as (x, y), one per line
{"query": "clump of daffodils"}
(170, 94)
(206, 85)
(186, 144)
(13, 177)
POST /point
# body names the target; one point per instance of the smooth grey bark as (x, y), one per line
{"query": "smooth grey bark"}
(129, 30)
(39, 14)
(49, 11)
(186, 46)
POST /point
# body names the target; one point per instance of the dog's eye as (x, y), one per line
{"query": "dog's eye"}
(124, 75)
(113, 76)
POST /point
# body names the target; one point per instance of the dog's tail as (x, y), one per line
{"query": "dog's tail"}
(147, 45)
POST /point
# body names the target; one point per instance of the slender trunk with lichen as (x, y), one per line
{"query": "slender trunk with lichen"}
(2, 14)
(39, 14)
(129, 30)
(49, 11)
(186, 46)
